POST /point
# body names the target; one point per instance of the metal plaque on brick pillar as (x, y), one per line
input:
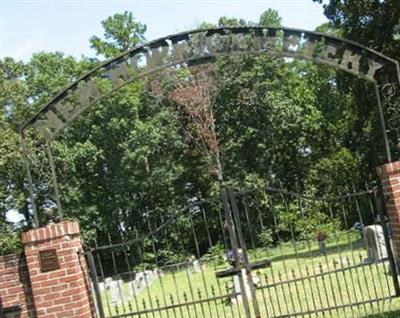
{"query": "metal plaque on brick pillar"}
(48, 260)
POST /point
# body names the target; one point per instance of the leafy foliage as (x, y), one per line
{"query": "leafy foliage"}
(9, 239)
(121, 33)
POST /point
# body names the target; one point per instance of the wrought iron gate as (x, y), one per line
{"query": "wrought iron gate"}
(262, 252)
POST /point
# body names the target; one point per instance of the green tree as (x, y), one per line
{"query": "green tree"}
(121, 33)
(270, 18)
(373, 23)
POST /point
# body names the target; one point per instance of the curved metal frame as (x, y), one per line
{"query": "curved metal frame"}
(199, 46)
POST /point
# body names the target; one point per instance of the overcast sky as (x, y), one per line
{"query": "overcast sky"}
(29, 26)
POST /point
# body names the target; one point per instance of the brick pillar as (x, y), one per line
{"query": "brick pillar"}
(390, 178)
(63, 291)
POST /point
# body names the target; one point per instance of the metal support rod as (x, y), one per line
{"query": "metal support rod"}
(54, 179)
(235, 248)
(382, 210)
(30, 182)
(383, 124)
(97, 293)
(243, 246)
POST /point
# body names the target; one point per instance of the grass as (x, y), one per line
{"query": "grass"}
(299, 280)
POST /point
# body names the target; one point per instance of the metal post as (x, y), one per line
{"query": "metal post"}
(235, 247)
(93, 275)
(55, 183)
(381, 206)
(383, 124)
(244, 250)
(30, 183)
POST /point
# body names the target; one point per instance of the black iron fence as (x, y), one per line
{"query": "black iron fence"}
(253, 253)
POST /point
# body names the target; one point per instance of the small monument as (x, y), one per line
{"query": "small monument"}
(375, 243)
(115, 291)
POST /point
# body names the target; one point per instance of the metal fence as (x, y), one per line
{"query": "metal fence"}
(252, 253)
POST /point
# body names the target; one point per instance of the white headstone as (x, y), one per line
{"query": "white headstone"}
(115, 291)
(133, 288)
(196, 266)
(375, 243)
(102, 286)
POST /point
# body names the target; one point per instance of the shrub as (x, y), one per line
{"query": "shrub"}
(215, 254)
(265, 237)
(10, 241)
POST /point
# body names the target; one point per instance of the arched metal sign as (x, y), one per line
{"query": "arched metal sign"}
(203, 45)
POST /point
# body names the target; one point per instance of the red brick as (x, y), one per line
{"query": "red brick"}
(63, 292)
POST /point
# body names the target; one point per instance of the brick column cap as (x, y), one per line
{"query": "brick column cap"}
(51, 231)
(389, 168)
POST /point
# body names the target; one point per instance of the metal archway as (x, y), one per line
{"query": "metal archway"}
(199, 46)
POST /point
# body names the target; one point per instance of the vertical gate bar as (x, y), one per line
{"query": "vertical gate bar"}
(201, 264)
(117, 275)
(102, 276)
(130, 280)
(312, 264)
(252, 240)
(186, 262)
(173, 271)
(155, 252)
(330, 279)
(283, 197)
(280, 241)
(297, 256)
(30, 182)
(54, 179)
(325, 204)
(345, 214)
(142, 252)
(213, 260)
(242, 243)
(263, 297)
(341, 264)
(375, 266)
(93, 274)
(276, 291)
(358, 208)
(235, 246)
(383, 124)
(205, 222)
(382, 210)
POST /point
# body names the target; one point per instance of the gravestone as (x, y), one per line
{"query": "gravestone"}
(115, 291)
(196, 266)
(375, 243)
(102, 286)
(134, 287)
(107, 282)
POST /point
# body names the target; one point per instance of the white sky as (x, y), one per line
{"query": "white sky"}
(29, 26)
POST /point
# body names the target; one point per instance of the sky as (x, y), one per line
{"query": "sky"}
(29, 26)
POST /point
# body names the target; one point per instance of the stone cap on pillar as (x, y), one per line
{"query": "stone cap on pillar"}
(51, 231)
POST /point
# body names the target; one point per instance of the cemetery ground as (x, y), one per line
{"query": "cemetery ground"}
(299, 279)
